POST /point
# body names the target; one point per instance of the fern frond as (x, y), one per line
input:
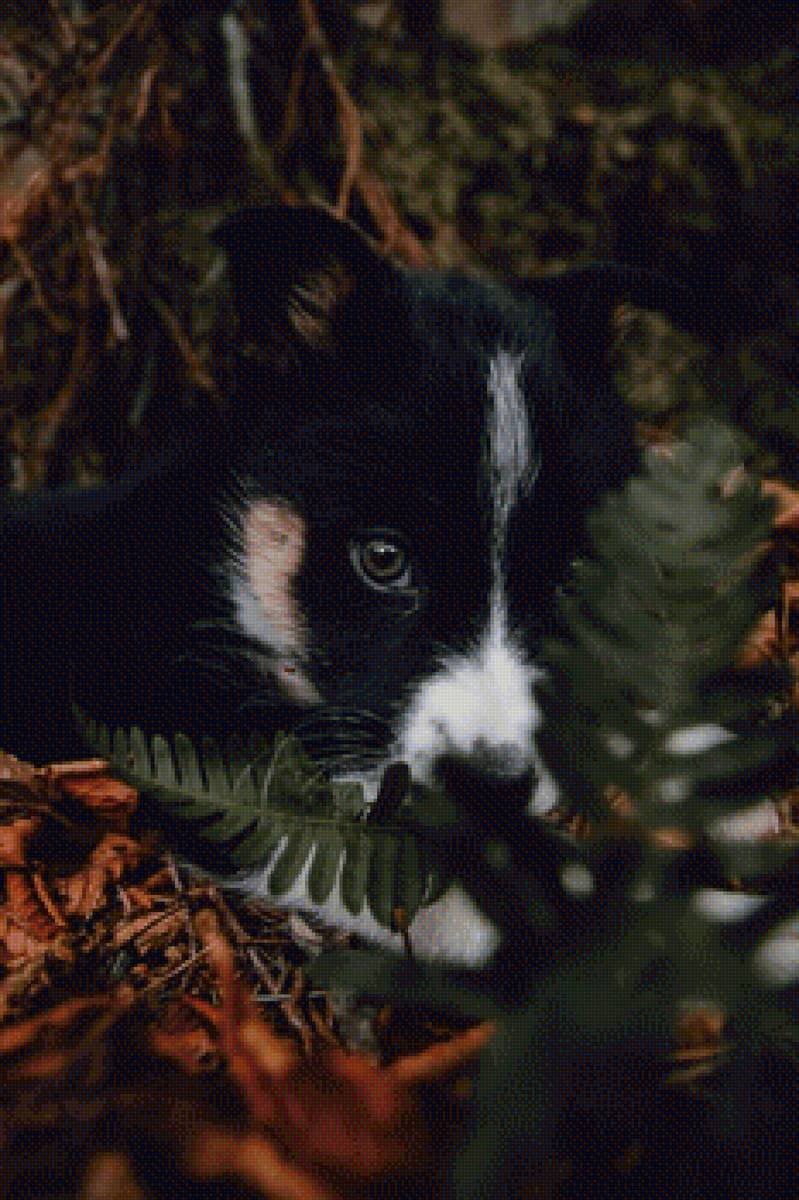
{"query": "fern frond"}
(246, 803)
(641, 691)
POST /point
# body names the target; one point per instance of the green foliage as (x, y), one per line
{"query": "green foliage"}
(253, 806)
(641, 686)
(605, 940)
(641, 694)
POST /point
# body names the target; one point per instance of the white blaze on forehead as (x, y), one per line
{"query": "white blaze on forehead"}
(482, 703)
(512, 464)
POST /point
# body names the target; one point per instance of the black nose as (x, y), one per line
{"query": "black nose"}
(489, 783)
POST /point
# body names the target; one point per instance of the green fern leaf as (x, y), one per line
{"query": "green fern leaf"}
(278, 810)
(640, 690)
(325, 866)
(355, 872)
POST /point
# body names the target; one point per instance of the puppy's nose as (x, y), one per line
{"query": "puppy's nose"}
(488, 778)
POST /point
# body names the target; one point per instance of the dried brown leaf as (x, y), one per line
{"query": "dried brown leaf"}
(23, 1033)
(25, 910)
(787, 502)
(109, 1176)
(22, 774)
(185, 1039)
(15, 838)
(84, 891)
(109, 798)
(334, 1109)
(256, 1160)
(444, 1058)
(25, 180)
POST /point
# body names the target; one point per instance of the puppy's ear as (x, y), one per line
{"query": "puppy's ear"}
(583, 304)
(292, 270)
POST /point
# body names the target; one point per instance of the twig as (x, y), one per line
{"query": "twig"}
(291, 110)
(197, 371)
(181, 968)
(96, 163)
(51, 418)
(102, 60)
(323, 1023)
(8, 290)
(237, 49)
(66, 30)
(233, 928)
(177, 883)
(146, 82)
(102, 271)
(46, 900)
(158, 918)
(397, 238)
(57, 323)
(349, 118)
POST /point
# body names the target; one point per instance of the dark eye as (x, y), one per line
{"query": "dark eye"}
(382, 561)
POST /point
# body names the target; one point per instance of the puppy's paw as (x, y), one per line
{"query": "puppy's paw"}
(454, 931)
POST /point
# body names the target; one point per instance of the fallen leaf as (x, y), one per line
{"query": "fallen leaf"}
(109, 1176)
(23, 1033)
(14, 839)
(85, 889)
(334, 1109)
(24, 906)
(182, 1037)
(254, 1159)
(109, 798)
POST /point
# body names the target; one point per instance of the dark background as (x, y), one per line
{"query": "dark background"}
(658, 132)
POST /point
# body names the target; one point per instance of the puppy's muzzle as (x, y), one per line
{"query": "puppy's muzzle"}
(490, 782)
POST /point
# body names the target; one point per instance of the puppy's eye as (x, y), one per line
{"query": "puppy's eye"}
(381, 561)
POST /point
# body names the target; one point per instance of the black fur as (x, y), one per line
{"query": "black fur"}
(360, 402)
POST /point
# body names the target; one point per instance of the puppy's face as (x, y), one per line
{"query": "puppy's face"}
(412, 500)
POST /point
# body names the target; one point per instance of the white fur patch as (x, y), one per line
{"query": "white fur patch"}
(452, 930)
(484, 701)
(512, 465)
(273, 536)
(474, 702)
(270, 543)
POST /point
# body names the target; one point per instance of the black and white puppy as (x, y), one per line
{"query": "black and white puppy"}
(369, 554)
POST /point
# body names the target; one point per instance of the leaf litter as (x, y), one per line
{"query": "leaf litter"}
(120, 977)
(152, 1036)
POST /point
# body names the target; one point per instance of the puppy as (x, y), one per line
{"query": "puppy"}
(368, 553)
